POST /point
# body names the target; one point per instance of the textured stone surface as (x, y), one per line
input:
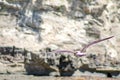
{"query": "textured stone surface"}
(11, 60)
(59, 24)
(63, 24)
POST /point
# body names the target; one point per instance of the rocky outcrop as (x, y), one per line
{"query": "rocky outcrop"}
(46, 62)
(53, 63)
(12, 60)
(63, 24)
(59, 24)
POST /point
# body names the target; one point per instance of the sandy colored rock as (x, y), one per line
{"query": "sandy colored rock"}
(65, 24)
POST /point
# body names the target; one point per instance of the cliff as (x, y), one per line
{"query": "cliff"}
(61, 24)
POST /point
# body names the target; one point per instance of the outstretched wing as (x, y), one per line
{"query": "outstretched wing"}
(94, 42)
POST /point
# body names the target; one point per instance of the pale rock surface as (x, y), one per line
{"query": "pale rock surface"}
(57, 29)
(61, 24)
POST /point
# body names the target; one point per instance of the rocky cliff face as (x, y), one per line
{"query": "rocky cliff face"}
(61, 24)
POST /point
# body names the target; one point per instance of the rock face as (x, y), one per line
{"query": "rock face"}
(12, 60)
(50, 63)
(63, 24)
(46, 62)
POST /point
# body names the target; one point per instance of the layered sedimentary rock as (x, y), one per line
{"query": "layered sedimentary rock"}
(63, 24)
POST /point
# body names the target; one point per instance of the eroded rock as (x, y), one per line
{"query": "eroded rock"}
(44, 63)
(63, 24)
